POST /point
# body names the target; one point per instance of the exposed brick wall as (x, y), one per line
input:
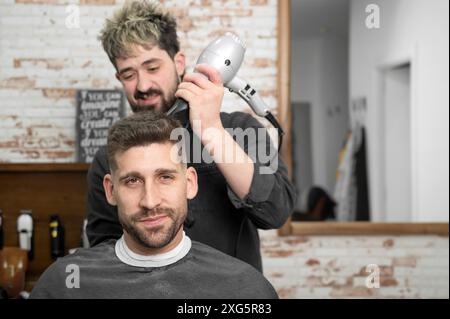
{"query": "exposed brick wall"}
(335, 266)
(42, 63)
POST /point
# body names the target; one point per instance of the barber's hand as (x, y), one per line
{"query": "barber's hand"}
(204, 96)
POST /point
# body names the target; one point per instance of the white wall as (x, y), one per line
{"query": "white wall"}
(306, 88)
(334, 97)
(417, 30)
(43, 63)
(320, 77)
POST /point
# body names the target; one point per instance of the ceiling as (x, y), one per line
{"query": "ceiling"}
(312, 18)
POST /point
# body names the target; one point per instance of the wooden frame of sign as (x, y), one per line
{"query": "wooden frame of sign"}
(97, 110)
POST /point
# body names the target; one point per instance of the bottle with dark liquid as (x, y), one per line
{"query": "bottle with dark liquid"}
(56, 237)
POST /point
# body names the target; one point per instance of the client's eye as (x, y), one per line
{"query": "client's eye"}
(132, 181)
(166, 178)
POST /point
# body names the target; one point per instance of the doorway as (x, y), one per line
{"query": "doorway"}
(397, 143)
(302, 164)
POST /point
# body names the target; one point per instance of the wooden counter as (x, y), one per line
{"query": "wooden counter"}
(46, 189)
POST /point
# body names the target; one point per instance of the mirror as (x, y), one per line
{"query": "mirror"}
(369, 110)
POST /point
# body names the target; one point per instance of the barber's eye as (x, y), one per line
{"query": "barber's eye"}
(128, 76)
(153, 69)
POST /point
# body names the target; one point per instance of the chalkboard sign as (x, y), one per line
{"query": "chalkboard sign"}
(97, 110)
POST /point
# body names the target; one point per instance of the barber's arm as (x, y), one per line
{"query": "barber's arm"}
(204, 96)
(102, 220)
(261, 189)
(272, 196)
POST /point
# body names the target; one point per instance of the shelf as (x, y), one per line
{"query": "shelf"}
(44, 167)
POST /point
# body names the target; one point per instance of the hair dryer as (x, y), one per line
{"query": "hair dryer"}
(226, 54)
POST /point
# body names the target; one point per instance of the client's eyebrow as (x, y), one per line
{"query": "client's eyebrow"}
(159, 171)
(162, 171)
(131, 174)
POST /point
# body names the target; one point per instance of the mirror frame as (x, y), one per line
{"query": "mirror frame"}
(284, 116)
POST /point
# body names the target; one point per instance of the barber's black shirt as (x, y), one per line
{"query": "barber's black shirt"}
(217, 217)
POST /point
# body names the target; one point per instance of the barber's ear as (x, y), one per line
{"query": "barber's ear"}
(191, 183)
(109, 188)
(180, 62)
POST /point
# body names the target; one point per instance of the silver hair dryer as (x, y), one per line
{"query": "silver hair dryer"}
(226, 55)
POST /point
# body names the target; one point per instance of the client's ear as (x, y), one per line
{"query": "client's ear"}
(109, 187)
(191, 183)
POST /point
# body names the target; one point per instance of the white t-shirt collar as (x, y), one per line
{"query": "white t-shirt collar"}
(124, 253)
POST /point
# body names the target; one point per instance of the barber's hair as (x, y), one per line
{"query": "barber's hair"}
(139, 129)
(140, 22)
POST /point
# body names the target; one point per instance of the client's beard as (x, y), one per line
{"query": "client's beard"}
(158, 237)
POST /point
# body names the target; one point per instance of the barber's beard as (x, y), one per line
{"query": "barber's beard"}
(166, 100)
(157, 237)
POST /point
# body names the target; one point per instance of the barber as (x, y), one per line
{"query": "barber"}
(234, 197)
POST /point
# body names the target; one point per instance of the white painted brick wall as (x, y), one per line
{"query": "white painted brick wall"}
(38, 54)
(334, 266)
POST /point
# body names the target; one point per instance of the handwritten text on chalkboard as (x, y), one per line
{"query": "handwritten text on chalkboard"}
(97, 110)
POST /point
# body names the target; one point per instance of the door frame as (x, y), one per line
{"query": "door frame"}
(408, 57)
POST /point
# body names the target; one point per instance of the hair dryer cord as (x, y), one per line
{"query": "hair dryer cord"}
(269, 116)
